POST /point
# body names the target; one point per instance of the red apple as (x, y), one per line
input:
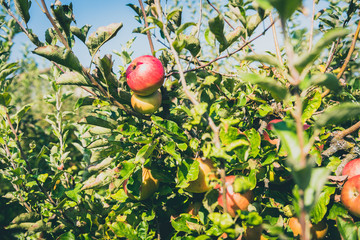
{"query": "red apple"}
(318, 231)
(148, 186)
(350, 195)
(206, 173)
(146, 104)
(234, 201)
(352, 168)
(145, 75)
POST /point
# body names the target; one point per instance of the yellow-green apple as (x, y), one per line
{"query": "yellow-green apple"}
(146, 104)
(318, 231)
(206, 173)
(145, 75)
(352, 168)
(350, 195)
(234, 201)
(148, 186)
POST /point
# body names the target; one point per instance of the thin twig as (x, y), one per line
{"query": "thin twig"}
(312, 26)
(351, 50)
(147, 25)
(276, 42)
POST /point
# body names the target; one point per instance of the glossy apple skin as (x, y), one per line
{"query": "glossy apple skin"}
(234, 201)
(146, 104)
(318, 231)
(148, 186)
(350, 195)
(145, 75)
(206, 173)
(352, 168)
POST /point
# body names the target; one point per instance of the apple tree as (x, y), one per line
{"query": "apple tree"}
(208, 140)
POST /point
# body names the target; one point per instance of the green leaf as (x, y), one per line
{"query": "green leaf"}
(308, 58)
(100, 180)
(286, 130)
(263, 58)
(170, 149)
(96, 121)
(25, 217)
(19, 115)
(255, 141)
(124, 230)
(216, 26)
(188, 170)
(66, 236)
(275, 88)
(183, 27)
(311, 105)
(338, 114)
(285, 8)
(170, 128)
(7, 69)
(146, 151)
(102, 142)
(63, 15)
(5, 99)
(155, 21)
(319, 210)
(175, 16)
(42, 177)
(72, 78)
(84, 101)
(101, 36)
(347, 228)
(22, 7)
(231, 38)
(80, 33)
(191, 43)
(59, 55)
(311, 181)
(243, 184)
(327, 80)
(336, 210)
(100, 166)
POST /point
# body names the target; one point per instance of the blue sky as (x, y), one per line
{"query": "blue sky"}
(101, 13)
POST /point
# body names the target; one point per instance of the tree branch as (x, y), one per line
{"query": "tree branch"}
(147, 25)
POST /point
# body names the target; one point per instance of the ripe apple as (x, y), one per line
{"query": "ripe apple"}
(352, 168)
(350, 195)
(148, 186)
(206, 173)
(145, 75)
(318, 231)
(146, 104)
(234, 201)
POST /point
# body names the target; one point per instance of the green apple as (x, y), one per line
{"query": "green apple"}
(146, 104)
